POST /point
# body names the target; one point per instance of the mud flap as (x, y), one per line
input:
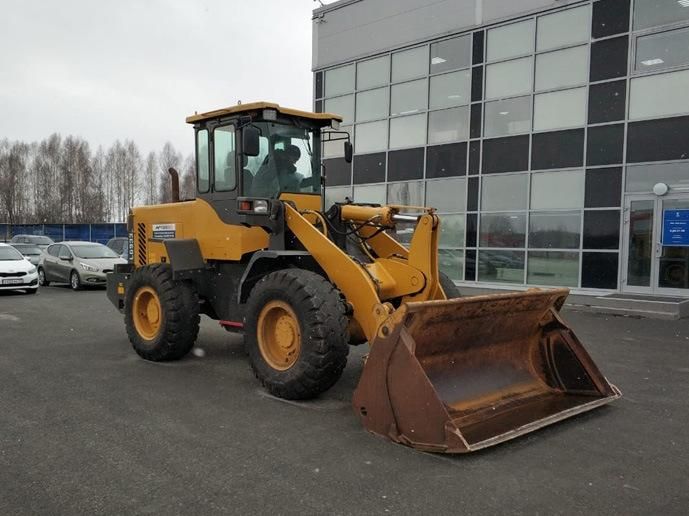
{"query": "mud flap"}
(460, 375)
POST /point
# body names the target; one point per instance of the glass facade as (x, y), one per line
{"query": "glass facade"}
(526, 135)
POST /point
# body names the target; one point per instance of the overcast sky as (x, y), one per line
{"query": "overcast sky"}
(105, 70)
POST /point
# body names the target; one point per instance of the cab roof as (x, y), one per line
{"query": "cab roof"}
(254, 106)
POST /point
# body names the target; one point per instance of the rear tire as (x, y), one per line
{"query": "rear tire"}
(296, 333)
(161, 315)
(449, 287)
(42, 281)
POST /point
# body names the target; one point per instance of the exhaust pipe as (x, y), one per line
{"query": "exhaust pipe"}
(174, 183)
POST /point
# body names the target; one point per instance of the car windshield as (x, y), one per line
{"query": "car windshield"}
(9, 254)
(286, 162)
(29, 250)
(93, 251)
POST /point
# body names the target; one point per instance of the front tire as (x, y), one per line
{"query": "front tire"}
(75, 281)
(161, 314)
(449, 287)
(296, 333)
(42, 280)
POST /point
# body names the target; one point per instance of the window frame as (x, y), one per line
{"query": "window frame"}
(208, 160)
(234, 139)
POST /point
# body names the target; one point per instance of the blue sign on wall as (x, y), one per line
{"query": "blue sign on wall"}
(676, 228)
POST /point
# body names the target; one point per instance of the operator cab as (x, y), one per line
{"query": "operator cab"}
(260, 151)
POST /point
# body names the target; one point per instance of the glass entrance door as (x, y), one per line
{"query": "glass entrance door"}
(656, 244)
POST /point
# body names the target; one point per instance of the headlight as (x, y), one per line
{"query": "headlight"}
(32, 270)
(88, 267)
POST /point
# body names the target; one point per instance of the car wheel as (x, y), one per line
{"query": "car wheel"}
(42, 281)
(75, 281)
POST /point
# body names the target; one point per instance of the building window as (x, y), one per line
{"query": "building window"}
(409, 97)
(343, 106)
(339, 80)
(372, 105)
(448, 125)
(501, 266)
(505, 192)
(408, 131)
(371, 137)
(407, 194)
(505, 117)
(372, 73)
(373, 194)
(561, 189)
(409, 64)
(450, 89)
(659, 95)
(563, 28)
(446, 195)
(337, 194)
(653, 13)
(553, 268)
(562, 68)
(510, 78)
(663, 50)
(641, 178)
(450, 54)
(512, 40)
(555, 230)
(560, 109)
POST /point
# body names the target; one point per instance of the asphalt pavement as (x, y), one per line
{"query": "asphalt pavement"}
(87, 427)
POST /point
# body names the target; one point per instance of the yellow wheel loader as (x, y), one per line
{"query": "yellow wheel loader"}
(258, 251)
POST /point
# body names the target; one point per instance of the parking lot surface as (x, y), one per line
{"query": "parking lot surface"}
(88, 427)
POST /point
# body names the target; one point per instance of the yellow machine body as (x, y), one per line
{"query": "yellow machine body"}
(448, 375)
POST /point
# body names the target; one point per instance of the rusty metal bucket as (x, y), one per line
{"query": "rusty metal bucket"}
(460, 375)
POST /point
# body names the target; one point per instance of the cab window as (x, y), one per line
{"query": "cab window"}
(285, 163)
(223, 146)
(202, 166)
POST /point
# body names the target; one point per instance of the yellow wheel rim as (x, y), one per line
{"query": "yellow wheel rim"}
(279, 335)
(147, 313)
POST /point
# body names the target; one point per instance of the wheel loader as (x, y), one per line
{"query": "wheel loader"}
(258, 251)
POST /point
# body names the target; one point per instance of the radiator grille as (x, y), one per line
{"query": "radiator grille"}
(141, 240)
(12, 274)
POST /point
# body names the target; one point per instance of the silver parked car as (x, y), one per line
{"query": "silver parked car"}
(39, 240)
(78, 263)
(30, 251)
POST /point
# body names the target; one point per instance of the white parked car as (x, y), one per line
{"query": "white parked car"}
(16, 272)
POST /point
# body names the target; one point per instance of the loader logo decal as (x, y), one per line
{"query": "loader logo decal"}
(164, 231)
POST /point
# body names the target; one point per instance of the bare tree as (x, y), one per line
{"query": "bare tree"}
(188, 179)
(167, 158)
(150, 179)
(13, 200)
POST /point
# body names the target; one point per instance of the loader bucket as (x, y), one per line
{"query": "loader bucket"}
(460, 375)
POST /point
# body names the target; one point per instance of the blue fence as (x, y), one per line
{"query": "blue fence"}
(59, 232)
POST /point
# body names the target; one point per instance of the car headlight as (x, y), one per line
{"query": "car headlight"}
(88, 267)
(32, 270)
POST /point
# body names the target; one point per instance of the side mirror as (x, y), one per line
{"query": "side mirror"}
(348, 150)
(250, 141)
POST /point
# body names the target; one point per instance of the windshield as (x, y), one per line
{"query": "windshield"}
(28, 250)
(286, 162)
(93, 251)
(9, 253)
